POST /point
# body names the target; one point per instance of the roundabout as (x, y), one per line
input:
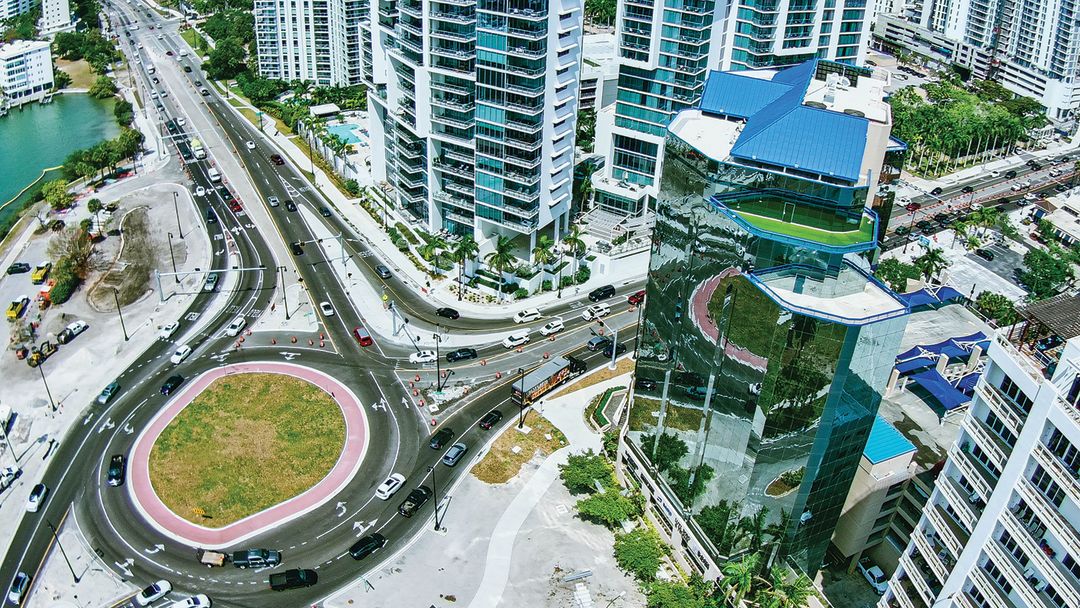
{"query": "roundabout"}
(244, 448)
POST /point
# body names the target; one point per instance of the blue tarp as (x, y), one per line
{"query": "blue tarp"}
(925, 355)
(930, 296)
(946, 394)
(967, 383)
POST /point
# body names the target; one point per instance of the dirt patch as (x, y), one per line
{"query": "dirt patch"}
(642, 416)
(501, 463)
(131, 273)
(622, 366)
(246, 443)
(82, 77)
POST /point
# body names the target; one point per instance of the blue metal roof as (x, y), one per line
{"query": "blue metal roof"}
(780, 130)
(885, 442)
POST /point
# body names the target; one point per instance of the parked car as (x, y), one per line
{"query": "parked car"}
(553, 327)
(985, 254)
(490, 419)
(524, 316)
(441, 438)
(36, 498)
(601, 293)
(448, 313)
(461, 354)
(367, 545)
(107, 393)
(936, 191)
(874, 575)
(171, 384)
(19, 268)
(115, 474)
(968, 189)
(20, 585)
(363, 338)
(390, 487)
(181, 353)
(424, 356)
(516, 339)
(71, 331)
(325, 212)
(645, 384)
(383, 272)
(454, 454)
(414, 501)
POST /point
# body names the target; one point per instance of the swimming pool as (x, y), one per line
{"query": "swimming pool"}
(345, 132)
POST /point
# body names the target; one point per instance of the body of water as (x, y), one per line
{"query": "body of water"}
(41, 136)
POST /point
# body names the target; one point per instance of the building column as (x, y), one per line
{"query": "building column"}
(532, 245)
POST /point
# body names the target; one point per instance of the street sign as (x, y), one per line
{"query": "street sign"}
(925, 242)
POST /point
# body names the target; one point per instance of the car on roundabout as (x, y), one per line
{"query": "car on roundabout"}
(19, 586)
(461, 354)
(115, 475)
(390, 487)
(153, 593)
(250, 145)
(36, 498)
(180, 355)
(447, 313)
(414, 501)
(108, 392)
(195, 601)
(326, 309)
(490, 419)
(363, 338)
(441, 438)
(424, 356)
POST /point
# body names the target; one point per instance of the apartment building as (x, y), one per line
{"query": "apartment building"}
(55, 18)
(766, 343)
(315, 41)
(1001, 527)
(665, 52)
(13, 8)
(1029, 47)
(26, 71)
(476, 102)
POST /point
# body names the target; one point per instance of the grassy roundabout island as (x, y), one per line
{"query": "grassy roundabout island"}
(247, 442)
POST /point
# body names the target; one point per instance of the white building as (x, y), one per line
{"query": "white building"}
(26, 72)
(315, 41)
(55, 18)
(13, 8)
(599, 72)
(475, 105)
(1029, 47)
(1001, 527)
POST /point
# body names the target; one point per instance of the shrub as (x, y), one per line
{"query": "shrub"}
(581, 471)
(566, 281)
(520, 293)
(639, 553)
(609, 509)
(582, 275)
(65, 286)
(352, 187)
(545, 286)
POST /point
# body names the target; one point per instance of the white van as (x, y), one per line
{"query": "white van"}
(516, 339)
(215, 175)
(529, 314)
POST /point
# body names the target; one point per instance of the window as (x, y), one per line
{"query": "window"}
(1049, 487)
(1013, 391)
(991, 569)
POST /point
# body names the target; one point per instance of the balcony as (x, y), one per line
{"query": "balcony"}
(454, 104)
(459, 188)
(521, 178)
(460, 218)
(1049, 567)
(460, 170)
(455, 17)
(530, 91)
(460, 36)
(959, 498)
(917, 579)
(458, 156)
(930, 555)
(416, 46)
(463, 123)
(1050, 517)
(533, 33)
(1064, 477)
(990, 443)
(461, 139)
(405, 26)
(460, 54)
(449, 199)
(534, 106)
(521, 51)
(981, 478)
(947, 529)
(1003, 407)
(905, 593)
(990, 589)
(520, 70)
(442, 85)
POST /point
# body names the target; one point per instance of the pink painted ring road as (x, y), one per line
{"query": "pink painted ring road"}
(179, 529)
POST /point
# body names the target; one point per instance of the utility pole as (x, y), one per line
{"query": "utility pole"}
(438, 363)
(62, 552)
(116, 297)
(435, 489)
(521, 404)
(176, 209)
(284, 291)
(41, 369)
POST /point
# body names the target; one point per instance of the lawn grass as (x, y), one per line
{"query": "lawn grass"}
(81, 75)
(501, 464)
(675, 417)
(246, 443)
(862, 234)
(194, 40)
(622, 366)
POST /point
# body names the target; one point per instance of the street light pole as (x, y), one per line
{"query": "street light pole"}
(41, 369)
(116, 297)
(62, 552)
(176, 209)
(172, 256)
(284, 290)
(562, 253)
(521, 404)
(438, 363)
(435, 489)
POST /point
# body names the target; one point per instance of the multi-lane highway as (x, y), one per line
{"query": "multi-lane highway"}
(257, 236)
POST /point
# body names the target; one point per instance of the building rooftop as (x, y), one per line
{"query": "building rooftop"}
(19, 47)
(850, 298)
(885, 442)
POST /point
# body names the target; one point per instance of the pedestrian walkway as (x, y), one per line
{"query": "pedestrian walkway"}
(55, 585)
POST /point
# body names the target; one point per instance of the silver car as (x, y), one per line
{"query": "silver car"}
(454, 454)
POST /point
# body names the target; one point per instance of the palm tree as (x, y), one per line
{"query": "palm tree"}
(465, 249)
(574, 244)
(782, 593)
(543, 253)
(501, 259)
(586, 193)
(739, 579)
(430, 250)
(960, 229)
(931, 263)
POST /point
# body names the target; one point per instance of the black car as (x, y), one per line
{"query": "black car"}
(1061, 187)
(171, 383)
(490, 419)
(985, 254)
(290, 206)
(440, 439)
(276, 159)
(117, 466)
(325, 211)
(925, 225)
(902, 230)
(936, 191)
(601, 293)
(186, 154)
(187, 69)
(293, 579)
(297, 248)
(447, 312)
(461, 354)
(18, 268)
(968, 189)
(619, 349)
(414, 501)
(645, 384)
(367, 545)
(1010, 174)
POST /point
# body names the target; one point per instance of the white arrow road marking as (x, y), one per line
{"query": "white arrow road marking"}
(124, 566)
(108, 424)
(341, 507)
(155, 549)
(289, 356)
(362, 527)
(128, 429)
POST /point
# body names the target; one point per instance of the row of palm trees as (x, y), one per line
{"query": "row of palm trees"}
(501, 259)
(972, 228)
(745, 581)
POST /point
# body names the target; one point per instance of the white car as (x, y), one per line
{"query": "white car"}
(168, 331)
(995, 174)
(326, 309)
(163, 93)
(874, 575)
(529, 314)
(250, 145)
(516, 339)
(1030, 196)
(77, 328)
(181, 353)
(553, 327)
(596, 311)
(19, 586)
(389, 487)
(200, 191)
(238, 324)
(36, 498)
(424, 356)
(975, 206)
(195, 601)
(160, 37)
(181, 121)
(153, 593)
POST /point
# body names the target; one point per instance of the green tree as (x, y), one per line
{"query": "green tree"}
(544, 254)
(931, 263)
(575, 245)
(124, 112)
(352, 187)
(720, 522)
(582, 471)
(738, 581)
(608, 509)
(688, 484)
(639, 552)
(502, 259)
(676, 594)
(56, 194)
(1047, 231)
(227, 59)
(783, 592)
(430, 251)
(586, 130)
(996, 306)
(61, 79)
(668, 451)
(600, 12)
(103, 88)
(464, 250)
(1045, 272)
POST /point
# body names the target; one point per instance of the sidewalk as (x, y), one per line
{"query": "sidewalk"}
(999, 164)
(371, 231)
(517, 553)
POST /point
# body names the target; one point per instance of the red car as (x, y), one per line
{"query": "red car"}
(276, 159)
(235, 206)
(362, 336)
(636, 298)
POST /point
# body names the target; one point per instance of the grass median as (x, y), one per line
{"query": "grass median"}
(502, 463)
(246, 443)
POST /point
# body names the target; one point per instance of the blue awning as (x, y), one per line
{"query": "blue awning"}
(941, 389)
(930, 296)
(967, 383)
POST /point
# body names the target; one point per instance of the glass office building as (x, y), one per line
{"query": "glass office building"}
(765, 343)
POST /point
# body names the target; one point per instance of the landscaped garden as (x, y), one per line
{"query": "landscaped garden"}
(246, 443)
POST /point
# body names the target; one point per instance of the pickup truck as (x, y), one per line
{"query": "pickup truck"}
(8, 475)
(41, 272)
(256, 558)
(293, 579)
